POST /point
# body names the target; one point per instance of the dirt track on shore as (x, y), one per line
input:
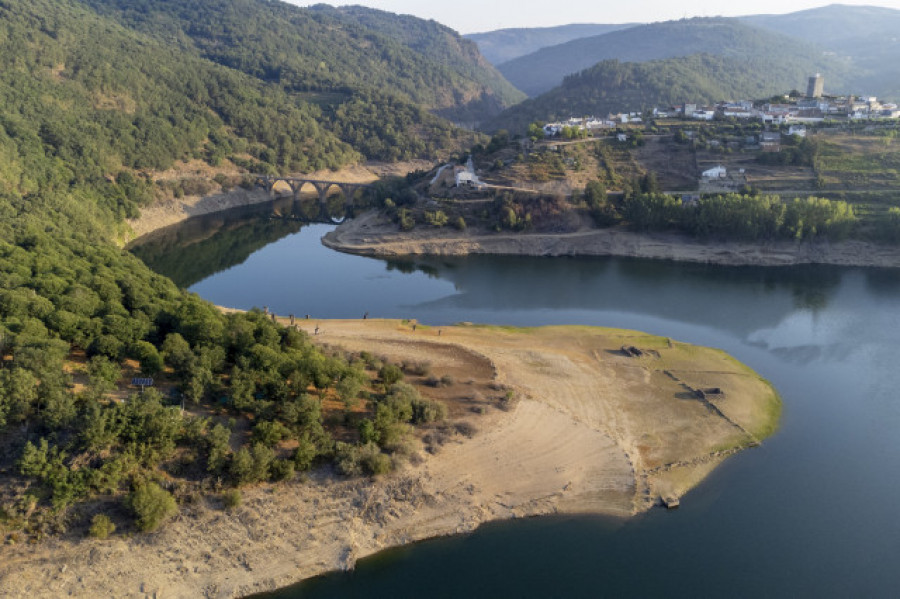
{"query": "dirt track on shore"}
(593, 430)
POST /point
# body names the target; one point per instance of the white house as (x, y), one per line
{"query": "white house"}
(718, 172)
(622, 137)
(552, 129)
(798, 130)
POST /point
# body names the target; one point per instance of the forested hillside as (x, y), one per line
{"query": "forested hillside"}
(543, 70)
(91, 111)
(613, 86)
(504, 45)
(325, 49)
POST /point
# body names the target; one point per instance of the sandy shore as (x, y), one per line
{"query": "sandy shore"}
(373, 235)
(593, 430)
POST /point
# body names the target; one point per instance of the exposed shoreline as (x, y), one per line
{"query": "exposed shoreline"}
(594, 431)
(163, 214)
(373, 235)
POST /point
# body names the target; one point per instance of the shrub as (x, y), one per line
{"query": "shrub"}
(390, 374)
(241, 467)
(353, 460)
(436, 219)
(151, 505)
(282, 469)
(466, 429)
(305, 454)
(425, 411)
(232, 499)
(269, 432)
(417, 368)
(101, 527)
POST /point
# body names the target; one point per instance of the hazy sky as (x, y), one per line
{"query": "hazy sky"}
(471, 16)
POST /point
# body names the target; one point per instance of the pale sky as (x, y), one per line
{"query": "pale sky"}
(472, 16)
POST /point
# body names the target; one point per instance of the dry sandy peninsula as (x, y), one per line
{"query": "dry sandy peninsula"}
(593, 430)
(374, 235)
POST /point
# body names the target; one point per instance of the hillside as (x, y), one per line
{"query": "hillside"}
(613, 86)
(543, 70)
(326, 49)
(93, 111)
(504, 45)
(866, 35)
(72, 120)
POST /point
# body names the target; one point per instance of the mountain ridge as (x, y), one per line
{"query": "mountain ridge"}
(544, 69)
(503, 45)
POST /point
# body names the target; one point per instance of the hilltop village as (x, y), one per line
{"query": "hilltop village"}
(793, 108)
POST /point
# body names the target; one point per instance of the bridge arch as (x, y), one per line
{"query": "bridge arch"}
(349, 192)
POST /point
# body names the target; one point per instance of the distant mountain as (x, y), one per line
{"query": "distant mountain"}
(504, 45)
(327, 49)
(613, 86)
(541, 71)
(868, 36)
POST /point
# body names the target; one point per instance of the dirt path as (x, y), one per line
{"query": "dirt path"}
(372, 235)
(593, 430)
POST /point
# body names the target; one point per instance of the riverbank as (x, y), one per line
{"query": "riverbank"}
(593, 429)
(175, 210)
(372, 234)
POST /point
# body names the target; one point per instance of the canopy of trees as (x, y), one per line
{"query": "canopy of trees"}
(321, 48)
(742, 217)
(91, 110)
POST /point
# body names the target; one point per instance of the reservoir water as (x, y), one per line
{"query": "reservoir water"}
(811, 513)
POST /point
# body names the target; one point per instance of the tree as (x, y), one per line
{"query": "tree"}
(177, 353)
(150, 359)
(151, 505)
(390, 374)
(103, 374)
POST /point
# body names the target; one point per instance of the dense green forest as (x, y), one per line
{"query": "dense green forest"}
(613, 86)
(543, 70)
(100, 100)
(326, 49)
(736, 217)
(91, 111)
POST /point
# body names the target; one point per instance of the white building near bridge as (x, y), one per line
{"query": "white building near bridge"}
(717, 172)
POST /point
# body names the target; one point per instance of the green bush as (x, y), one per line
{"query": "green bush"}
(151, 505)
(282, 470)
(390, 374)
(101, 527)
(353, 460)
(232, 498)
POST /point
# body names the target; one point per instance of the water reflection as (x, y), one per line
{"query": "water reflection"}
(810, 513)
(200, 247)
(712, 295)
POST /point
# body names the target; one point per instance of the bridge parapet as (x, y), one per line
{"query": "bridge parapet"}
(322, 187)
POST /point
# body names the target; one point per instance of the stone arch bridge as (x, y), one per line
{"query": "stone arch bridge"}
(296, 184)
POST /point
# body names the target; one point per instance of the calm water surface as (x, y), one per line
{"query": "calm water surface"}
(812, 513)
